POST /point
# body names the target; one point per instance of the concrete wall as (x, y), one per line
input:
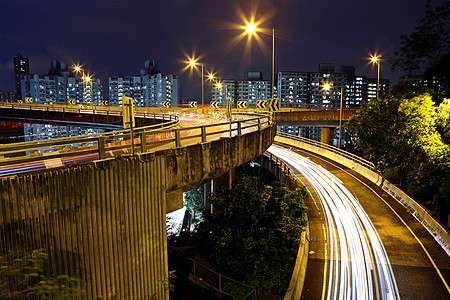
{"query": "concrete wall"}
(105, 221)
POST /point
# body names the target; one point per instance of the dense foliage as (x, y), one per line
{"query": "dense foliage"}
(23, 278)
(408, 140)
(255, 233)
(426, 51)
(193, 201)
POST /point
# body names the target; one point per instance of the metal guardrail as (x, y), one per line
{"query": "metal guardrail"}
(220, 283)
(281, 164)
(330, 148)
(174, 108)
(104, 145)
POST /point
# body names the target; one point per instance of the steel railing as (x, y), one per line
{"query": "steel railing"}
(330, 148)
(220, 283)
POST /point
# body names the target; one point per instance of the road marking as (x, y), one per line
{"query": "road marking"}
(325, 262)
(400, 218)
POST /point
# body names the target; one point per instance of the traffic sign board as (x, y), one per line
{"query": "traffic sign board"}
(215, 104)
(274, 104)
(71, 101)
(28, 100)
(242, 104)
(261, 103)
(104, 102)
(192, 103)
(166, 104)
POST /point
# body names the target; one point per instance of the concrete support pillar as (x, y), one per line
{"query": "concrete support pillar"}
(223, 181)
(327, 135)
(208, 190)
(213, 185)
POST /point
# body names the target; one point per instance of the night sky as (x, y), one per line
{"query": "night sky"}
(112, 38)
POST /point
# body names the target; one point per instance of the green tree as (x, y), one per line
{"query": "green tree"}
(255, 233)
(427, 49)
(194, 202)
(407, 137)
(22, 277)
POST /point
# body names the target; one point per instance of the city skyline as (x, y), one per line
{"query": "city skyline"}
(114, 38)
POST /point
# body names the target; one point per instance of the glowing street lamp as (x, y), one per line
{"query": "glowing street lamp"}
(327, 87)
(375, 59)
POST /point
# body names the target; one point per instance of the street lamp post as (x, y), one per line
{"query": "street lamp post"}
(376, 60)
(193, 63)
(327, 87)
(250, 29)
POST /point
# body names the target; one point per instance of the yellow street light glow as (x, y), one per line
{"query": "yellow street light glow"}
(219, 85)
(211, 76)
(192, 62)
(250, 28)
(326, 87)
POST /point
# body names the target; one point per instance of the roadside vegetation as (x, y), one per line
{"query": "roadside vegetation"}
(254, 234)
(407, 136)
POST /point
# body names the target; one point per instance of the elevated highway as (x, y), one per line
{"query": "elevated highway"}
(105, 216)
(101, 215)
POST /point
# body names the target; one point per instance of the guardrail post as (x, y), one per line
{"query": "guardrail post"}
(259, 124)
(203, 128)
(230, 130)
(239, 128)
(101, 147)
(143, 142)
(177, 138)
(220, 283)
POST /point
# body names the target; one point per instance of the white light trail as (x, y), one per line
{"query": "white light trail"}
(359, 267)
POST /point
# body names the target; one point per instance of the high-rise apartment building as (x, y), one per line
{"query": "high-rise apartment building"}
(226, 88)
(253, 88)
(150, 88)
(292, 87)
(58, 86)
(129, 86)
(383, 89)
(21, 68)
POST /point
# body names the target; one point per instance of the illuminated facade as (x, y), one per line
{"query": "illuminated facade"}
(372, 88)
(150, 88)
(59, 86)
(54, 89)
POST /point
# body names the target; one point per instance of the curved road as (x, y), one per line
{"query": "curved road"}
(364, 244)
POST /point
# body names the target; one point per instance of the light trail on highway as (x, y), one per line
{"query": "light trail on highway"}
(358, 264)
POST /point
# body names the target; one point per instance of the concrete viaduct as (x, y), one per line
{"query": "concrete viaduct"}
(104, 221)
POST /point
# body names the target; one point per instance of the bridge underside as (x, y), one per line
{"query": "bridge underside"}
(105, 221)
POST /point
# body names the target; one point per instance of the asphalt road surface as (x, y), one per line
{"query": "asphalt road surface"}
(364, 244)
